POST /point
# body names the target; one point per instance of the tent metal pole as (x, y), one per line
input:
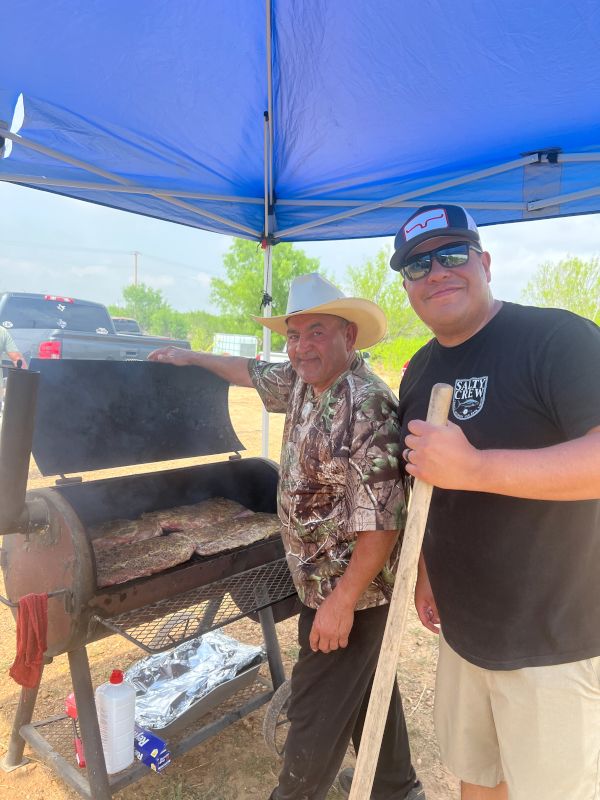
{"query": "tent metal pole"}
(175, 193)
(105, 187)
(268, 201)
(270, 97)
(49, 151)
(267, 342)
(123, 181)
(349, 185)
(438, 187)
(402, 203)
(35, 180)
(266, 173)
(577, 157)
(560, 199)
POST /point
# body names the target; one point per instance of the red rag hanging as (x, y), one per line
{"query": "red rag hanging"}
(32, 629)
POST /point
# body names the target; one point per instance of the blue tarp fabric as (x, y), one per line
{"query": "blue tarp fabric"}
(378, 107)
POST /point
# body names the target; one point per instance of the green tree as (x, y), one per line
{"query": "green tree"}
(572, 283)
(239, 294)
(168, 322)
(140, 302)
(154, 314)
(202, 326)
(374, 280)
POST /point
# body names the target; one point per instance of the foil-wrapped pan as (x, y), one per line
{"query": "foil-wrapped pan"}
(178, 686)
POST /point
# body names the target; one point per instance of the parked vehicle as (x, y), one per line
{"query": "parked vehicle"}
(51, 326)
(235, 344)
(127, 325)
(274, 357)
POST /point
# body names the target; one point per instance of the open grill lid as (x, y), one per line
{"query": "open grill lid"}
(101, 414)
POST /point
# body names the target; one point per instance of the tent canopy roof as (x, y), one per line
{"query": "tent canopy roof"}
(373, 108)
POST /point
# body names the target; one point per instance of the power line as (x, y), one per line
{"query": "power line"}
(70, 248)
(180, 264)
(128, 253)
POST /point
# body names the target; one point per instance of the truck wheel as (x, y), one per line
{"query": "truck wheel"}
(276, 723)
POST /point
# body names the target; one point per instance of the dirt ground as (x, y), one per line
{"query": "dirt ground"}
(236, 764)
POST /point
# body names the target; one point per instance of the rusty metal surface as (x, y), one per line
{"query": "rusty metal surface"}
(59, 558)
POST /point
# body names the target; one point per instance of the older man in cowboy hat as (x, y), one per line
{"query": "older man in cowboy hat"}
(340, 502)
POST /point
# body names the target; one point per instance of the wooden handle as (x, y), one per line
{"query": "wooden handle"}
(362, 783)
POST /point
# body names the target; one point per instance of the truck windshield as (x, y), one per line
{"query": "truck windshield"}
(36, 312)
(123, 325)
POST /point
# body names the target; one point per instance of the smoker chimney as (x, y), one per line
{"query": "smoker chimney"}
(16, 439)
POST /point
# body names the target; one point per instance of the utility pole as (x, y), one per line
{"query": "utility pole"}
(135, 267)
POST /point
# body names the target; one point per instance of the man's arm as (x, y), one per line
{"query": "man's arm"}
(233, 369)
(443, 457)
(15, 357)
(335, 616)
(424, 599)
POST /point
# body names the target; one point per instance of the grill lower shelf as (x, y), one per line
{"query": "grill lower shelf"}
(52, 739)
(172, 621)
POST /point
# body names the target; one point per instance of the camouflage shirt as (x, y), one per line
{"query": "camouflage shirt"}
(339, 474)
(7, 344)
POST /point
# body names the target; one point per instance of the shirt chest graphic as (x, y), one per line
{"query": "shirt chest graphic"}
(469, 397)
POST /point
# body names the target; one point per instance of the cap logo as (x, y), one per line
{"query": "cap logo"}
(426, 221)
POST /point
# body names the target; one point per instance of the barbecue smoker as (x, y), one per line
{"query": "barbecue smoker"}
(92, 415)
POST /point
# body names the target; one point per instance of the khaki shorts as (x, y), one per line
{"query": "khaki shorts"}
(536, 728)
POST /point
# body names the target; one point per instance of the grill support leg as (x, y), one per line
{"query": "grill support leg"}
(210, 612)
(88, 720)
(16, 743)
(272, 644)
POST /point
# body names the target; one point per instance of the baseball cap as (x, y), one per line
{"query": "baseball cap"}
(429, 222)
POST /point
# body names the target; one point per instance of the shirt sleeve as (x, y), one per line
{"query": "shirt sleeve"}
(570, 376)
(375, 492)
(273, 382)
(9, 342)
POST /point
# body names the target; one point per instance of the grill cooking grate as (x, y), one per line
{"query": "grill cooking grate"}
(166, 623)
(58, 732)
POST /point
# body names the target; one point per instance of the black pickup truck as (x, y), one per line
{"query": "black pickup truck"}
(51, 326)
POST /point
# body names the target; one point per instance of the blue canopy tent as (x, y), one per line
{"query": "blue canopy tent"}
(305, 119)
(352, 112)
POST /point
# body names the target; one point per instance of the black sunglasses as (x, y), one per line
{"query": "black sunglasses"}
(448, 255)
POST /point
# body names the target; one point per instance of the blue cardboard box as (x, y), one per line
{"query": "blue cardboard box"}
(150, 749)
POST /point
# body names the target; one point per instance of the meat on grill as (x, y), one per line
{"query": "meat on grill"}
(156, 523)
(234, 533)
(128, 549)
(207, 513)
(127, 532)
(145, 557)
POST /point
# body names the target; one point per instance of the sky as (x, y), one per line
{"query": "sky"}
(55, 245)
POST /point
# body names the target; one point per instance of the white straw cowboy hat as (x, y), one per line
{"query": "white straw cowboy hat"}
(313, 294)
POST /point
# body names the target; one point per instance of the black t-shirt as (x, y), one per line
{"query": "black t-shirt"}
(516, 582)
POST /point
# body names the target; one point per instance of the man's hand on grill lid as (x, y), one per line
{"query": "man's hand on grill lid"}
(172, 355)
(233, 369)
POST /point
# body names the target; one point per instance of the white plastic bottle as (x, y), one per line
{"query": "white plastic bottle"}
(115, 704)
